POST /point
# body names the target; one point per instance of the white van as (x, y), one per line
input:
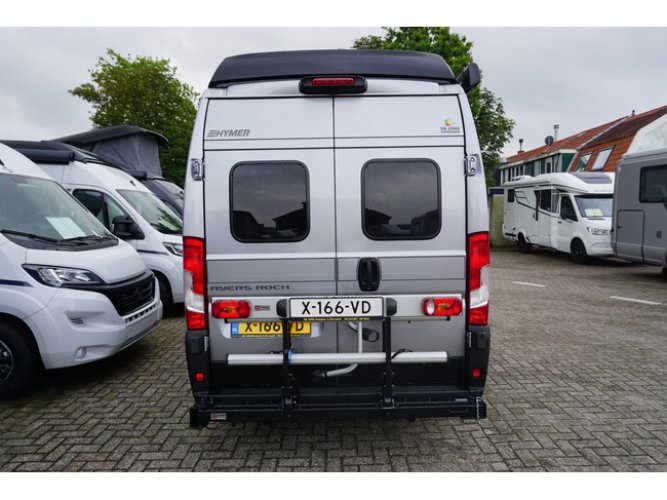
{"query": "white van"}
(70, 292)
(569, 212)
(123, 204)
(336, 239)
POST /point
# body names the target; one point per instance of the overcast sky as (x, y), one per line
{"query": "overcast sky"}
(575, 77)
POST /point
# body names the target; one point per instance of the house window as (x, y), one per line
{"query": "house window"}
(583, 161)
(601, 159)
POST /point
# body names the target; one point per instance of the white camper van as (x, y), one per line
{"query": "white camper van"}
(640, 199)
(569, 212)
(122, 204)
(336, 239)
(70, 291)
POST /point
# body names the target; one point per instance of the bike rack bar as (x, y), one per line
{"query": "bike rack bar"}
(343, 358)
(387, 389)
(287, 389)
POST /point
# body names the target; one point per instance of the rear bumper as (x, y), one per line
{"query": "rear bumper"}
(338, 403)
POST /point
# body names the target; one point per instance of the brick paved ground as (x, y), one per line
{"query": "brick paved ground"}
(578, 382)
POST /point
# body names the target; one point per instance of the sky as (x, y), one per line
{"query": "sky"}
(576, 77)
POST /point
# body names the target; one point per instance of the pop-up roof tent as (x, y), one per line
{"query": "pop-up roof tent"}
(134, 149)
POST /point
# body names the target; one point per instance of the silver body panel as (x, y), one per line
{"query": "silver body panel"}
(334, 137)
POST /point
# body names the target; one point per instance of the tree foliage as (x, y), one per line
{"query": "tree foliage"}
(145, 92)
(493, 127)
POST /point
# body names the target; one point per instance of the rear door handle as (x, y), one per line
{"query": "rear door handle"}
(368, 274)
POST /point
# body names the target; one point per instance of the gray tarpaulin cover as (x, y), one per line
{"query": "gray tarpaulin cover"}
(132, 152)
(134, 149)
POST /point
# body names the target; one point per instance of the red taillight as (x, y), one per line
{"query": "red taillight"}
(195, 283)
(335, 82)
(341, 84)
(442, 306)
(476, 373)
(230, 309)
(478, 278)
(199, 377)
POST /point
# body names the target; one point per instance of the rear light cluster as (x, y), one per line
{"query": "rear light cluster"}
(230, 309)
(442, 306)
(195, 288)
(478, 278)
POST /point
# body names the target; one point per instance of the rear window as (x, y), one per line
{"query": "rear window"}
(400, 199)
(269, 202)
(653, 185)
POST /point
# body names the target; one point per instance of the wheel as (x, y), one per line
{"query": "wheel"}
(165, 295)
(19, 360)
(578, 250)
(524, 246)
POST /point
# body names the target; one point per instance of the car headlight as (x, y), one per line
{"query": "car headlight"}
(62, 276)
(597, 231)
(175, 248)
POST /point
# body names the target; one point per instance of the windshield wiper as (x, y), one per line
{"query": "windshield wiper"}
(32, 236)
(89, 237)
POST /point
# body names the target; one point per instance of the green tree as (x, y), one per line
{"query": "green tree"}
(493, 127)
(145, 92)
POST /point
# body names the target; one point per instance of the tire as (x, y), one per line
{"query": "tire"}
(165, 295)
(578, 251)
(19, 360)
(524, 246)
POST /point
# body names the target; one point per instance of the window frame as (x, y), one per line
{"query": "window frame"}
(642, 183)
(363, 199)
(231, 200)
(597, 157)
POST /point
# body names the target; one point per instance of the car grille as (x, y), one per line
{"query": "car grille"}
(127, 296)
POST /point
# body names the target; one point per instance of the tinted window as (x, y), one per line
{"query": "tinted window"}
(545, 199)
(269, 202)
(567, 209)
(654, 185)
(510, 195)
(400, 199)
(101, 206)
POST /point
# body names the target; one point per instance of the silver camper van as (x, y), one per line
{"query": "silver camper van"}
(336, 240)
(640, 199)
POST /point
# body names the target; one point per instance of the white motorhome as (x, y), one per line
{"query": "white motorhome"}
(123, 204)
(70, 291)
(336, 246)
(640, 199)
(568, 212)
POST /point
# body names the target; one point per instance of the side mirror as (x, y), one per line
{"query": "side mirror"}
(126, 229)
(469, 78)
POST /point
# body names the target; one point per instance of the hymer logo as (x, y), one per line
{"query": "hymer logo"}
(232, 132)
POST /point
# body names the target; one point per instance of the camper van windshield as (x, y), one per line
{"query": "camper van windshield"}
(594, 206)
(156, 213)
(39, 213)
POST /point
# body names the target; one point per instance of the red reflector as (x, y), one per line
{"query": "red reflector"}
(442, 306)
(230, 309)
(476, 372)
(199, 377)
(479, 315)
(195, 320)
(333, 82)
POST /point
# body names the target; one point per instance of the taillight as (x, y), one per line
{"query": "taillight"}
(478, 278)
(332, 85)
(230, 309)
(195, 283)
(442, 306)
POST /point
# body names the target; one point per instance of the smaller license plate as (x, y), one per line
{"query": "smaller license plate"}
(336, 308)
(268, 329)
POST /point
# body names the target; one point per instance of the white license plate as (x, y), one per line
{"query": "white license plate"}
(336, 308)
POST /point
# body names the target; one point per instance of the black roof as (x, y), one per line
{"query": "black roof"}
(108, 133)
(357, 62)
(53, 152)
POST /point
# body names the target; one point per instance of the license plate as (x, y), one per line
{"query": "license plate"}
(336, 308)
(268, 329)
